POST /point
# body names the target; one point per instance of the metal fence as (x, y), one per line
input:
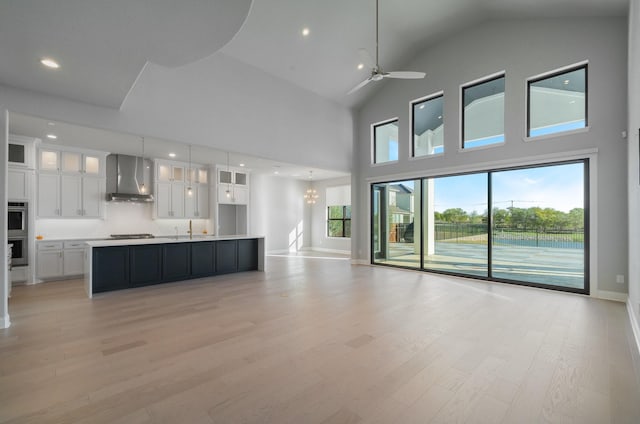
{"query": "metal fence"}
(506, 236)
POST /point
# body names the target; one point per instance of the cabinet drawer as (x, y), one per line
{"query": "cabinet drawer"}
(52, 245)
(74, 244)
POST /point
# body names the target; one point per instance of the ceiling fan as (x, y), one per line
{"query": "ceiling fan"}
(377, 73)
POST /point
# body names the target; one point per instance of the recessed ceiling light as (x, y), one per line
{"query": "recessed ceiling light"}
(305, 32)
(572, 102)
(51, 124)
(439, 116)
(242, 164)
(276, 172)
(172, 155)
(49, 63)
(566, 82)
(360, 65)
(421, 106)
(52, 136)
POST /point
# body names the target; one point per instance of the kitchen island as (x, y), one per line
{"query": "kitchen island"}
(123, 264)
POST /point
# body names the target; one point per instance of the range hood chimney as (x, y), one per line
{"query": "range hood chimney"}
(125, 178)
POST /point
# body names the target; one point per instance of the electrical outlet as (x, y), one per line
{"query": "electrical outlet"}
(620, 279)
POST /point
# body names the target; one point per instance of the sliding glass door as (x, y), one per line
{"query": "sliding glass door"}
(455, 224)
(521, 225)
(394, 221)
(539, 225)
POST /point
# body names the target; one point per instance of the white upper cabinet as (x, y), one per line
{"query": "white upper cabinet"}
(71, 183)
(79, 163)
(48, 196)
(173, 182)
(49, 160)
(21, 151)
(233, 185)
(170, 171)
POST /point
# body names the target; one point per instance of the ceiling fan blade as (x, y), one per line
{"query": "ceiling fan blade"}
(366, 59)
(405, 75)
(359, 86)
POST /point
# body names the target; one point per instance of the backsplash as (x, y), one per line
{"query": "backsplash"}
(120, 218)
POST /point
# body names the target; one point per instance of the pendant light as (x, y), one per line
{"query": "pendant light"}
(311, 194)
(143, 189)
(189, 190)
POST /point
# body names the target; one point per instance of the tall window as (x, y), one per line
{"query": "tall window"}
(557, 102)
(339, 222)
(483, 113)
(385, 142)
(427, 119)
(339, 211)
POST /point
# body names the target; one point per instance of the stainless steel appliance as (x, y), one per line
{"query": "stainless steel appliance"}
(129, 179)
(19, 251)
(18, 232)
(9, 265)
(17, 218)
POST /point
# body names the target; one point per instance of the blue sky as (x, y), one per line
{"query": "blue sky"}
(559, 187)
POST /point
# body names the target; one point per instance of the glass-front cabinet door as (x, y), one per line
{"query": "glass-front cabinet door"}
(164, 172)
(71, 162)
(91, 165)
(241, 178)
(49, 160)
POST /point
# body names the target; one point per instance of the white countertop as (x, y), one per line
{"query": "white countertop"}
(167, 239)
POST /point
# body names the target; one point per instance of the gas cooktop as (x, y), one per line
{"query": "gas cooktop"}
(131, 236)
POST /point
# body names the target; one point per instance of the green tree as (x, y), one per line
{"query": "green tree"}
(455, 215)
(501, 217)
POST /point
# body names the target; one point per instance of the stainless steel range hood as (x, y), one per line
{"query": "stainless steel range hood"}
(125, 178)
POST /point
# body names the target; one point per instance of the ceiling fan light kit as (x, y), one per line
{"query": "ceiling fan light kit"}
(377, 74)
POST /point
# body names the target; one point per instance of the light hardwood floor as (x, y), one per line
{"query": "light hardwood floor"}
(317, 341)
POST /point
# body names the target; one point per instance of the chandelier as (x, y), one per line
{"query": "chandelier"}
(311, 195)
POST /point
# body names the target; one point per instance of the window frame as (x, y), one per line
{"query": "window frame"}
(373, 141)
(588, 164)
(412, 103)
(343, 220)
(550, 74)
(474, 83)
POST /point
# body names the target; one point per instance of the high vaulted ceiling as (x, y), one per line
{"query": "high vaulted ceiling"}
(102, 46)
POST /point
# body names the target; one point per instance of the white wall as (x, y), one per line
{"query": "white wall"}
(278, 212)
(523, 49)
(634, 166)
(4, 139)
(319, 239)
(120, 218)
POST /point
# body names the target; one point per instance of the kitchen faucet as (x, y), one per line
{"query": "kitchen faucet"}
(190, 230)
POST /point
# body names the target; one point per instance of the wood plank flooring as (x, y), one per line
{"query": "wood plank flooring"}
(317, 340)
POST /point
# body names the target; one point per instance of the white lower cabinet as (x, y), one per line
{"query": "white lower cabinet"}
(73, 262)
(59, 260)
(49, 260)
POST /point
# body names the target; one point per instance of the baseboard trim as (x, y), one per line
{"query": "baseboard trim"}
(322, 249)
(5, 322)
(359, 262)
(635, 326)
(610, 295)
(278, 252)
